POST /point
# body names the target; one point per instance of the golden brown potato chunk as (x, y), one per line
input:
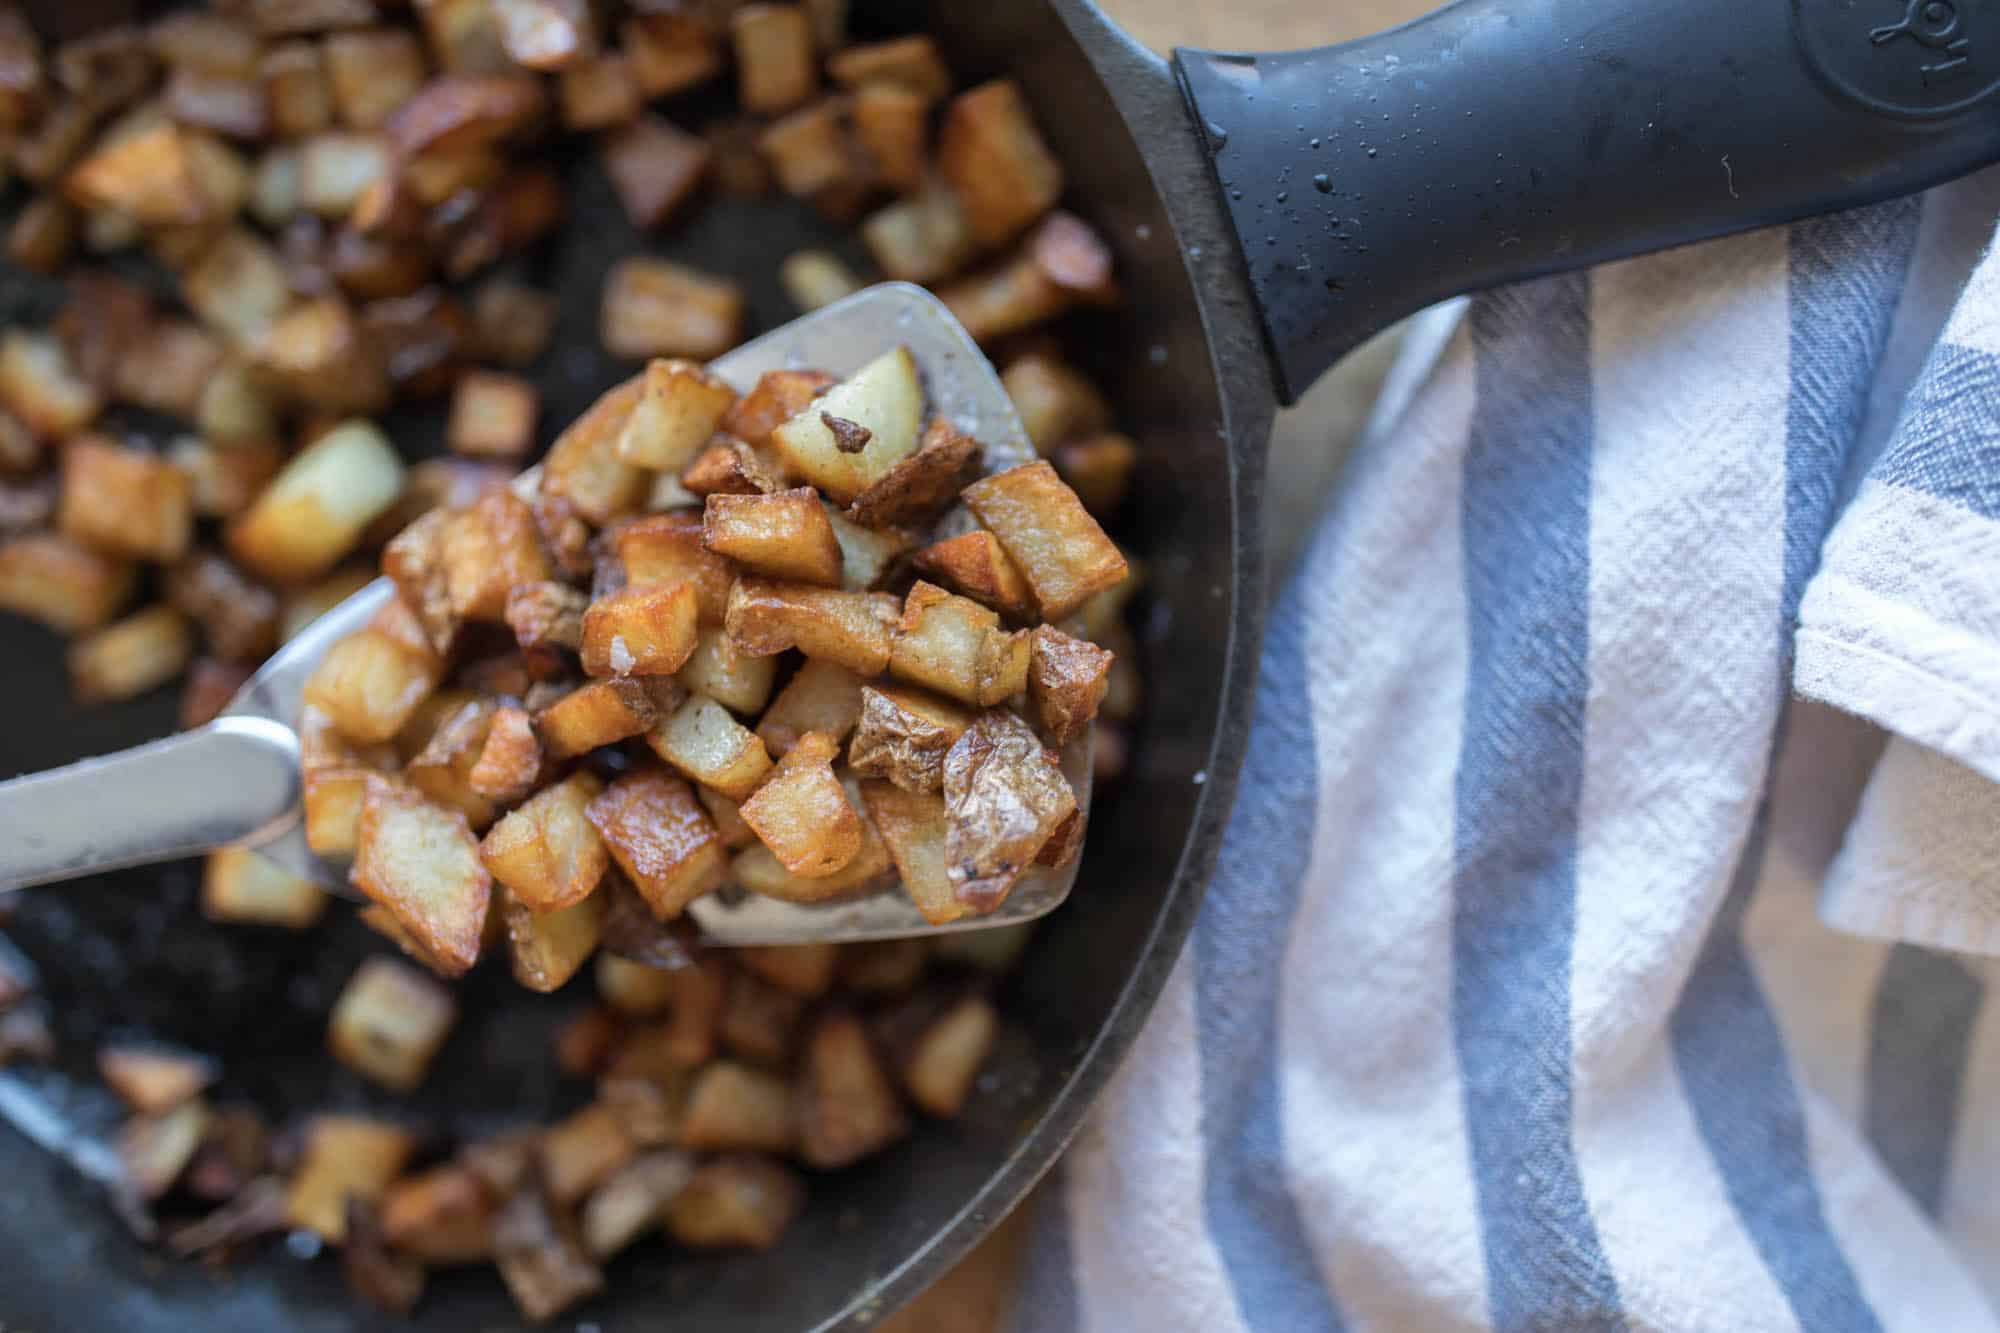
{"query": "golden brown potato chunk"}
(583, 466)
(1004, 796)
(703, 741)
(736, 1202)
(547, 948)
(126, 501)
(239, 885)
(443, 1217)
(661, 838)
(775, 65)
(731, 467)
(777, 397)
(955, 646)
(944, 1062)
(656, 308)
(848, 1108)
(546, 615)
(510, 762)
(911, 63)
(61, 583)
(801, 812)
(1055, 402)
(759, 1020)
(459, 112)
(664, 549)
(154, 1079)
(758, 869)
(389, 1023)
(903, 735)
(995, 159)
(596, 714)
(655, 167)
(442, 770)
(1066, 682)
(783, 536)
(734, 1108)
(808, 150)
(640, 631)
(369, 684)
(822, 696)
(601, 92)
(1058, 546)
(142, 651)
(372, 72)
(678, 411)
(345, 1156)
(892, 125)
(920, 487)
(1099, 469)
(492, 415)
(670, 52)
(317, 509)
(914, 826)
(548, 853)
(851, 629)
(421, 862)
(975, 564)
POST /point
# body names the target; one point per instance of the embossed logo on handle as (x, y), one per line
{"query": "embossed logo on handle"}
(1938, 25)
(1908, 58)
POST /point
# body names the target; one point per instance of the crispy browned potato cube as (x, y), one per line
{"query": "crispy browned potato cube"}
(152, 177)
(154, 1079)
(546, 615)
(715, 670)
(655, 167)
(943, 1065)
(420, 861)
(1067, 679)
(1058, 546)
(848, 1107)
(295, 85)
(225, 481)
(775, 68)
(442, 770)
(997, 162)
(759, 1021)
(547, 34)
(892, 125)
(541, 1255)
(677, 412)
(548, 853)
(61, 583)
(670, 52)
(600, 92)
(155, 1150)
(666, 549)
(239, 615)
(1056, 403)
(777, 397)
(389, 1023)
(579, 1152)
(854, 433)
(731, 467)
(596, 714)
(42, 235)
(316, 510)
(809, 149)
(758, 869)
(904, 734)
(369, 684)
(913, 825)
(823, 696)
(955, 646)
(801, 812)
(1004, 796)
(583, 468)
(336, 773)
(633, 1201)
(460, 112)
(804, 970)
(138, 653)
(736, 1202)
(489, 550)
(510, 762)
(977, 566)
(784, 536)
(1062, 264)
(547, 948)
(734, 1108)
(40, 385)
(345, 1156)
(239, 885)
(728, 817)
(336, 169)
(704, 742)
(640, 631)
(127, 501)
(414, 561)
(851, 629)
(656, 308)
(492, 415)
(922, 485)
(443, 1217)
(815, 278)
(661, 838)
(512, 322)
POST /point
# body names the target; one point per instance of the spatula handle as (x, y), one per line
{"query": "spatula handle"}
(1497, 140)
(234, 780)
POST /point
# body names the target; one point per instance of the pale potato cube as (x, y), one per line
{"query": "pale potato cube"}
(880, 408)
(492, 415)
(421, 862)
(944, 1063)
(152, 1079)
(704, 742)
(238, 885)
(678, 410)
(866, 554)
(914, 826)
(238, 286)
(315, 511)
(633, 1201)
(40, 385)
(715, 670)
(548, 853)
(547, 948)
(336, 169)
(823, 696)
(583, 466)
(815, 278)
(390, 1022)
(921, 237)
(1055, 402)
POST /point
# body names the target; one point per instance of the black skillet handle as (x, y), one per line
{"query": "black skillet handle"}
(1498, 140)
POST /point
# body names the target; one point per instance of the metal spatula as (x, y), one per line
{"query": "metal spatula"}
(235, 782)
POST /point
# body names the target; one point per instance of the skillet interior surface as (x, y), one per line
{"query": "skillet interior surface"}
(129, 953)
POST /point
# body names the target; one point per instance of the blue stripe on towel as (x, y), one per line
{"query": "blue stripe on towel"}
(1239, 943)
(1526, 512)
(1920, 1037)
(1045, 1295)
(1948, 442)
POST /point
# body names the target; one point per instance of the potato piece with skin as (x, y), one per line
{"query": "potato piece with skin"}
(679, 409)
(914, 827)
(736, 1202)
(596, 714)
(583, 466)
(127, 501)
(492, 415)
(823, 696)
(989, 149)
(804, 970)
(61, 583)
(547, 948)
(880, 405)
(715, 670)
(315, 510)
(1004, 796)
(510, 762)
(421, 862)
(801, 812)
(777, 397)
(976, 565)
(345, 1156)
(1067, 679)
(851, 629)
(145, 650)
(955, 646)
(704, 742)
(442, 1217)
(1058, 546)
(848, 1107)
(547, 853)
(640, 631)
(734, 1108)
(920, 487)
(661, 838)
(666, 549)
(369, 684)
(943, 1064)
(783, 536)
(656, 308)
(389, 1023)
(237, 885)
(903, 735)
(775, 68)
(656, 168)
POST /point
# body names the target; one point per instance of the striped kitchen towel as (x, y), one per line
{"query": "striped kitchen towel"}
(1604, 936)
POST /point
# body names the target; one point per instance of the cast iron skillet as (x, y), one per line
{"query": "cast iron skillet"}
(1493, 141)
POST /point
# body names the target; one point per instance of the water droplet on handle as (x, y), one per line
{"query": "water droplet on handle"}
(1323, 183)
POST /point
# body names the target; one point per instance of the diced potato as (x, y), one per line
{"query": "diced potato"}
(421, 862)
(801, 813)
(414, 561)
(42, 235)
(956, 646)
(315, 511)
(39, 385)
(809, 149)
(295, 85)
(1004, 174)
(126, 501)
(633, 988)
(867, 555)
(492, 415)
(775, 68)
(678, 410)
(442, 770)
(944, 1063)
(600, 92)
(736, 1202)
(759, 1020)
(487, 551)
(804, 970)
(640, 631)
(370, 684)
(884, 967)
(892, 125)
(633, 1201)
(920, 238)
(541, 1255)
(823, 696)
(421, 338)
(548, 853)
(142, 651)
(1067, 679)
(848, 1107)
(815, 278)
(914, 826)
(583, 466)
(655, 167)
(779, 395)
(511, 322)
(670, 52)
(715, 670)
(152, 177)
(1058, 546)
(785, 536)
(904, 734)
(913, 63)
(337, 168)
(443, 1217)
(549, 947)
(734, 1108)
(100, 324)
(580, 1152)
(194, 39)
(704, 742)
(596, 714)
(460, 112)
(389, 1023)
(758, 869)
(234, 105)
(667, 549)
(238, 885)
(155, 1150)
(976, 565)
(345, 1156)
(880, 408)
(61, 583)
(1004, 796)
(239, 615)
(464, 36)
(849, 628)
(546, 34)
(656, 308)
(731, 467)
(728, 817)
(510, 762)
(372, 72)
(336, 773)
(1099, 469)
(153, 1080)
(661, 838)
(923, 484)
(1055, 402)
(168, 369)
(324, 357)
(223, 482)
(1062, 264)
(546, 615)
